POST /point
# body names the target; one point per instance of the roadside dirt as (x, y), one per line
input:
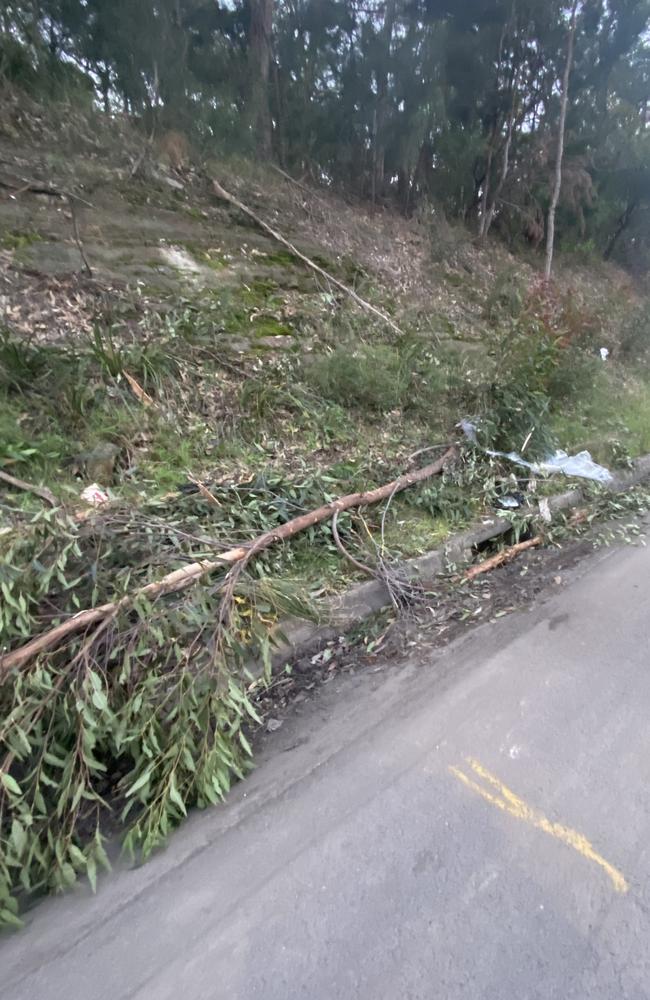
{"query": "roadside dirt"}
(449, 610)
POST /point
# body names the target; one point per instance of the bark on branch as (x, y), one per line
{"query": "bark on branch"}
(505, 556)
(20, 484)
(184, 577)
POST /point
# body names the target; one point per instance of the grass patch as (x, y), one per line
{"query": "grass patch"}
(612, 420)
(17, 240)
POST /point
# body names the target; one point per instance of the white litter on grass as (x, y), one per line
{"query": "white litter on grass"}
(604, 353)
(182, 261)
(94, 495)
(581, 466)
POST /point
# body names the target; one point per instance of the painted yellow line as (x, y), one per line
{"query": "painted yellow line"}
(506, 800)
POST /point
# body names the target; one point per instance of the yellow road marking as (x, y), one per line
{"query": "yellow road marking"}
(505, 799)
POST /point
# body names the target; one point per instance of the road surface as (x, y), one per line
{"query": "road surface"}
(475, 824)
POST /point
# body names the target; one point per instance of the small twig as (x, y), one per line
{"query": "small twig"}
(423, 451)
(528, 437)
(39, 491)
(145, 149)
(344, 552)
(402, 592)
(77, 238)
(299, 184)
(137, 390)
(383, 519)
(203, 490)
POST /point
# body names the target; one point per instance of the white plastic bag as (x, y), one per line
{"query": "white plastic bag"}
(582, 465)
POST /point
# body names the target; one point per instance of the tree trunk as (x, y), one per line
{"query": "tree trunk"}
(379, 124)
(279, 117)
(557, 182)
(486, 188)
(487, 220)
(621, 226)
(259, 53)
(493, 137)
(105, 86)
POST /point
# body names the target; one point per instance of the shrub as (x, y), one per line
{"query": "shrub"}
(372, 378)
(575, 375)
(382, 378)
(635, 335)
(506, 297)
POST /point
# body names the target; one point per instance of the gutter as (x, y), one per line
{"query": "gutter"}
(356, 604)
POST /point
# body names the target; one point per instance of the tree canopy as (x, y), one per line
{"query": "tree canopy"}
(404, 102)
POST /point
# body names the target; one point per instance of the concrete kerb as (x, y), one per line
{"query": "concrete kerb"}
(353, 606)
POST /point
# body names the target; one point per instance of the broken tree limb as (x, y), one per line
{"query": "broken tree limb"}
(303, 187)
(39, 491)
(505, 556)
(184, 577)
(384, 317)
(36, 187)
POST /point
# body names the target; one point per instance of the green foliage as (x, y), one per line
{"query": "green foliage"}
(380, 378)
(147, 730)
(34, 69)
(541, 360)
(148, 359)
(454, 499)
(577, 375)
(634, 341)
(23, 365)
(612, 420)
(17, 240)
(372, 377)
(139, 720)
(15, 62)
(506, 298)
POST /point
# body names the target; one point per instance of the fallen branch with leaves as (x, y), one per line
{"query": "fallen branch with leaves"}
(238, 558)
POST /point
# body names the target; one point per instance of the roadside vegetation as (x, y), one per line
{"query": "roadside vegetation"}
(201, 447)
(159, 346)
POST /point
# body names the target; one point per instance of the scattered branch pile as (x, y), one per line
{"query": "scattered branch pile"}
(133, 710)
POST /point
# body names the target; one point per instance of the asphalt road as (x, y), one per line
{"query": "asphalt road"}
(473, 825)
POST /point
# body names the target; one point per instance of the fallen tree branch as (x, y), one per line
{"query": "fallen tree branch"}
(36, 187)
(240, 556)
(384, 317)
(505, 556)
(39, 491)
(299, 184)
